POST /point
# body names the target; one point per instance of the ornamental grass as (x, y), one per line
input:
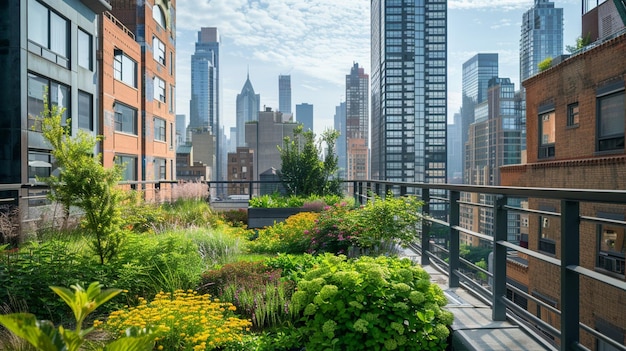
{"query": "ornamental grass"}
(183, 320)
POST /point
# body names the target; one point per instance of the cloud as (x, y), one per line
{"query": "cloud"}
(504, 22)
(502, 5)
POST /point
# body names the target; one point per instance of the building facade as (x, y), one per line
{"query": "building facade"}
(304, 116)
(357, 122)
(265, 135)
(541, 36)
(477, 71)
(575, 114)
(240, 167)
(284, 93)
(38, 66)
(340, 125)
(409, 92)
(248, 107)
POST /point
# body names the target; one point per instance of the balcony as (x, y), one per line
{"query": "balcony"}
(536, 294)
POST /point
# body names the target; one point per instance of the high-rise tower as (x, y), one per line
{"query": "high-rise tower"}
(248, 107)
(357, 131)
(204, 104)
(542, 36)
(284, 93)
(409, 110)
(477, 71)
(304, 115)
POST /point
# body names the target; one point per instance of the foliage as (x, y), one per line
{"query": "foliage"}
(140, 216)
(474, 253)
(84, 182)
(545, 64)
(9, 224)
(371, 304)
(581, 42)
(183, 320)
(193, 190)
(236, 218)
(285, 237)
(293, 267)
(387, 221)
(44, 336)
(190, 213)
(303, 172)
(332, 231)
(314, 202)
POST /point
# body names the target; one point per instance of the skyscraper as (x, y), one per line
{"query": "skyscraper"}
(409, 110)
(477, 71)
(248, 107)
(284, 93)
(542, 36)
(204, 107)
(304, 115)
(204, 104)
(340, 126)
(357, 131)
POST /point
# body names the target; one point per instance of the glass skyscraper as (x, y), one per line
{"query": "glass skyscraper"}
(284, 93)
(477, 71)
(409, 91)
(248, 107)
(204, 104)
(542, 36)
(304, 115)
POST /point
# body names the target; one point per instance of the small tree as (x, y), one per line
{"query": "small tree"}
(83, 182)
(581, 42)
(545, 64)
(303, 172)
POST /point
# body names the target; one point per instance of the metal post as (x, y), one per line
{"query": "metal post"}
(570, 289)
(425, 228)
(498, 313)
(455, 247)
(250, 188)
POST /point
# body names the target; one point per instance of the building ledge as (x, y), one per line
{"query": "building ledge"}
(97, 6)
(594, 161)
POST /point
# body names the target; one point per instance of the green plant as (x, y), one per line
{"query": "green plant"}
(581, 42)
(370, 303)
(285, 237)
(303, 172)
(44, 336)
(332, 232)
(545, 64)
(84, 182)
(183, 320)
(236, 218)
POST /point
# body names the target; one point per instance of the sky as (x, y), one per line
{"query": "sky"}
(317, 42)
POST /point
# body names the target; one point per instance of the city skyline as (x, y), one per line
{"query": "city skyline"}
(317, 44)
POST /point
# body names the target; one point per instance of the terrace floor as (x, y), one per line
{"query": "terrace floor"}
(473, 328)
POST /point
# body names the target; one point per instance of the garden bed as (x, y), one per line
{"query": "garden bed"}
(265, 217)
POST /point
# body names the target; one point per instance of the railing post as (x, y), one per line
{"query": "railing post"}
(498, 312)
(250, 189)
(425, 228)
(455, 247)
(570, 289)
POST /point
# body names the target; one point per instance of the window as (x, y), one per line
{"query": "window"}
(547, 242)
(125, 69)
(40, 164)
(49, 32)
(85, 50)
(611, 246)
(130, 166)
(125, 119)
(57, 95)
(546, 135)
(158, 50)
(158, 15)
(159, 129)
(159, 89)
(610, 112)
(172, 98)
(572, 115)
(159, 168)
(85, 110)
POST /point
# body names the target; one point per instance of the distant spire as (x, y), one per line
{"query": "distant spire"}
(248, 74)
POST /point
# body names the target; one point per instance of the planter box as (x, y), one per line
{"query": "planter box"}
(265, 217)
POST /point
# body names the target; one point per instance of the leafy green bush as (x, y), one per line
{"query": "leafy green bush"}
(285, 237)
(371, 304)
(236, 218)
(312, 201)
(332, 231)
(190, 213)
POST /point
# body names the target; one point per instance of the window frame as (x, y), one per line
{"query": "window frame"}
(52, 97)
(120, 70)
(57, 51)
(89, 117)
(610, 142)
(546, 149)
(160, 168)
(161, 85)
(158, 50)
(159, 16)
(128, 174)
(120, 123)
(82, 51)
(160, 129)
(611, 261)
(573, 115)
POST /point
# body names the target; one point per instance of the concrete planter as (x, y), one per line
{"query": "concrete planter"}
(265, 217)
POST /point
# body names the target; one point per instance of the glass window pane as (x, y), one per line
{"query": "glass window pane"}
(60, 96)
(84, 49)
(611, 110)
(85, 111)
(158, 16)
(58, 34)
(36, 90)
(37, 23)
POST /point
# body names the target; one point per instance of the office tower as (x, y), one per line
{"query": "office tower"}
(357, 131)
(477, 71)
(153, 24)
(409, 111)
(284, 93)
(181, 129)
(304, 115)
(541, 37)
(262, 138)
(340, 126)
(248, 107)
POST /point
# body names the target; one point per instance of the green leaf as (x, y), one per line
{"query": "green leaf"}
(26, 326)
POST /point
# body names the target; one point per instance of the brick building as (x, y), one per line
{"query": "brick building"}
(575, 139)
(240, 167)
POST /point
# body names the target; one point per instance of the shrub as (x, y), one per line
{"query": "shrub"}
(190, 191)
(236, 218)
(371, 304)
(285, 237)
(190, 213)
(332, 232)
(139, 216)
(183, 320)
